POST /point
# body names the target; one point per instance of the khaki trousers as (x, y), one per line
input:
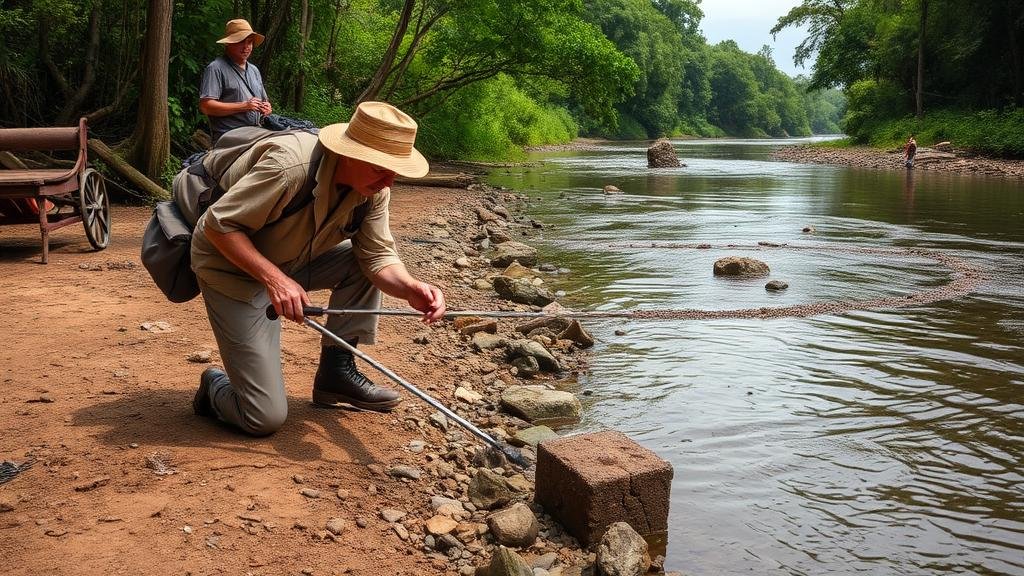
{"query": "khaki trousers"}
(250, 344)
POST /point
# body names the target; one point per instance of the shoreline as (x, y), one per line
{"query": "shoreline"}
(929, 159)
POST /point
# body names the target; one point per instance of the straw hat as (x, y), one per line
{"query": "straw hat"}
(380, 134)
(238, 30)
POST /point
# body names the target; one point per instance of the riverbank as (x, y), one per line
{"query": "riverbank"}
(100, 371)
(927, 159)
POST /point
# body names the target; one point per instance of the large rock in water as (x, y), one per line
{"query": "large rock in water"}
(662, 154)
(740, 266)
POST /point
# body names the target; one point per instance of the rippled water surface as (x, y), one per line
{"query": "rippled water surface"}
(873, 442)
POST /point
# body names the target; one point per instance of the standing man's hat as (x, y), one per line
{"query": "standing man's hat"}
(380, 134)
(238, 30)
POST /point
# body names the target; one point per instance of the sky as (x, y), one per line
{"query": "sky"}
(748, 23)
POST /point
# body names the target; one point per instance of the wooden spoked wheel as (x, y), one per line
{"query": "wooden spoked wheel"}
(95, 207)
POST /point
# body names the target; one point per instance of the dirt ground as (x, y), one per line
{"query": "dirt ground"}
(102, 407)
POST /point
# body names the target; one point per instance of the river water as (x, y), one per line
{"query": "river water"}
(881, 441)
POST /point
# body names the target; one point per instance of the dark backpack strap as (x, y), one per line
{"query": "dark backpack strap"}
(305, 195)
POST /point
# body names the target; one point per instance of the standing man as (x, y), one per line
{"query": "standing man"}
(232, 93)
(909, 151)
(268, 240)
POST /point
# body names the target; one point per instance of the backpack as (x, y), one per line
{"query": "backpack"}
(167, 241)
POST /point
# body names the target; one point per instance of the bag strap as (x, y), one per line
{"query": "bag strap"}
(305, 195)
(244, 79)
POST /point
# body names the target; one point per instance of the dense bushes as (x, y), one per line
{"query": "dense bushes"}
(990, 131)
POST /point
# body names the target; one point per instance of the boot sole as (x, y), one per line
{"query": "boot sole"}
(333, 400)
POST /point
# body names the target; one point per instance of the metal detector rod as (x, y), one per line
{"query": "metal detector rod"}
(408, 386)
(318, 311)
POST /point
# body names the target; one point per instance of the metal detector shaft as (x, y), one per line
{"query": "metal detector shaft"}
(408, 386)
(318, 311)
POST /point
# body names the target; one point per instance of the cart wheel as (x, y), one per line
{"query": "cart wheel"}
(95, 207)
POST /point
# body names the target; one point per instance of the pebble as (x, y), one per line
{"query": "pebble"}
(336, 526)
(392, 515)
(410, 472)
(402, 532)
(201, 357)
(310, 493)
(187, 529)
(417, 446)
(342, 494)
(361, 522)
(299, 479)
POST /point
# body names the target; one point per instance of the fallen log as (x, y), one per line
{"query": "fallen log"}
(459, 180)
(119, 165)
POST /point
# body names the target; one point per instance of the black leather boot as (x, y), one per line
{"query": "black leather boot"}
(211, 381)
(338, 381)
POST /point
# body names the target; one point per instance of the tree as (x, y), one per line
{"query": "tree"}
(148, 148)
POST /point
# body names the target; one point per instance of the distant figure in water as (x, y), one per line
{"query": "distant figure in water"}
(909, 151)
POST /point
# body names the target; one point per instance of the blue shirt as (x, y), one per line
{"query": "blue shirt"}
(226, 82)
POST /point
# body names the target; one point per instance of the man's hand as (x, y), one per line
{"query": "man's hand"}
(428, 299)
(288, 297)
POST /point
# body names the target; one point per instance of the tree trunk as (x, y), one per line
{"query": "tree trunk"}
(918, 104)
(305, 28)
(149, 146)
(387, 61)
(69, 114)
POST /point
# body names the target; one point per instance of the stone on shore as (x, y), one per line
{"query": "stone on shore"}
(662, 154)
(775, 285)
(740, 266)
(485, 341)
(505, 562)
(514, 526)
(510, 251)
(612, 189)
(622, 552)
(439, 524)
(517, 270)
(534, 403)
(488, 490)
(577, 334)
(590, 481)
(532, 436)
(554, 323)
(530, 348)
(522, 291)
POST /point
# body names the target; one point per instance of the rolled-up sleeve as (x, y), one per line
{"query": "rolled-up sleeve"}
(257, 197)
(373, 245)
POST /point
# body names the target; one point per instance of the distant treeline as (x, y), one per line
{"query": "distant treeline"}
(484, 77)
(943, 69)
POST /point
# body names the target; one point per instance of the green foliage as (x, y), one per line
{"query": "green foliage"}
(1000, 133)
(870, 102)
(492, 120)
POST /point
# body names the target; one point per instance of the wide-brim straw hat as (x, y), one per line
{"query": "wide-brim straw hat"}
(238, 30)
(380, 134)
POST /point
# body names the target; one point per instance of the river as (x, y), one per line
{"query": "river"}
(877, 441)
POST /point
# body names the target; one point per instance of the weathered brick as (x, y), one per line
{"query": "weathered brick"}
(590, 481)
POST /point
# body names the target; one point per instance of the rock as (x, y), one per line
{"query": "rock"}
(522, 291)
(391, 515)
(156, 327)
(808, 229)
(201, 357)
(577, 334)
(622, 552)
(93, 484)
(468, 396)
(505, 562)
(310, 493)
(510, 251)
(482, 284)
(545, 561)
(662, 154)
(776, 285)
(536, 402)
(556, 324)
(488, 490)
(336, 526)
(438, 525)
(547, 362)
(486, 215)
(440, 420)
(485, 341)
(421, 338)
(6, 506)
(361, 522)
(410, 472)
(463, 262)
(740, 266)
(519, 483)
(526, 366)
(446, 506)
(402, 532)
(514, 526)
(517, 270)
(610, 189)
(490, 326)
(417, 446)
(532, 436)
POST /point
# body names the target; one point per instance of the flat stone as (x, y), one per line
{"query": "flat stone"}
(485, 341)
(481, 325)
(740, 266)
(510, 251)
(522, 291)
(439, 524)
(517, 270)
(590, 481)
(446, 506)
(468, 396)
(392, 515)
(532, 436)
(410, 472)
(545, 359)
(536, 402)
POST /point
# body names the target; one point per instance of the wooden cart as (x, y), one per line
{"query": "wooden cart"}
(54, 197)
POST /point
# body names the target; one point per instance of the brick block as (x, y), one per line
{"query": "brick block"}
(589, 481)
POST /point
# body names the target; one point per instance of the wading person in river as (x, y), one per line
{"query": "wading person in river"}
(909, 151)
(254, 247)
(231, 93)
